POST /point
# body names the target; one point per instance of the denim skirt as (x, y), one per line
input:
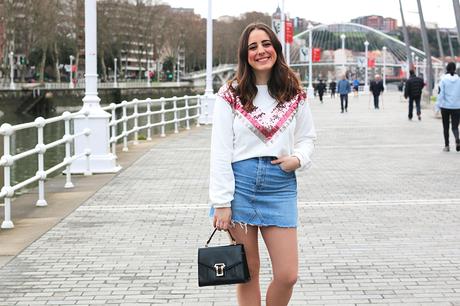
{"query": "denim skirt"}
(265, 195)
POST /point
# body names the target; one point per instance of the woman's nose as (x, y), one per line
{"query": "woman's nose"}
(260, 49)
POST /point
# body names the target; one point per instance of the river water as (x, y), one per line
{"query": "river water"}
(27, 139)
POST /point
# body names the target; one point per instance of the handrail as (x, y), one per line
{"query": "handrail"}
(8, 158)
(128, 117)
(81, 85)
(133, 118)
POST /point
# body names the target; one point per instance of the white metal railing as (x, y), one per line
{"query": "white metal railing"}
(132, 117)
(81, 85)
(164, 106)
(9, 158)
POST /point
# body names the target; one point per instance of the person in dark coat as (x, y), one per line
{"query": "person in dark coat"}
(332, 88)
(376, 88)
(413, 91)
(321, 88)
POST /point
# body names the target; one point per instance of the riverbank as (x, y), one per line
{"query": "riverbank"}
(58, 100)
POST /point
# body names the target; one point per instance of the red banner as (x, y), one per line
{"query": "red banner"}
(316, 54)
(371, 63)
(288, 32)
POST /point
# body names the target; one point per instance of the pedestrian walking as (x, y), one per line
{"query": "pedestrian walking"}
(332, 88)
(376, 87)
(262, 134)
(413, 91)
(321, 87)
(343, 88)
(448, 103)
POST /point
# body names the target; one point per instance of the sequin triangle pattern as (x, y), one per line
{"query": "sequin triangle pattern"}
(265, 125)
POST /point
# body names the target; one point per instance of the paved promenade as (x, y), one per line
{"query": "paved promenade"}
(379, 214)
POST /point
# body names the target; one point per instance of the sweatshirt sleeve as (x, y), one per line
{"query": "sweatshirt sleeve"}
(439, 100)
(304, 136)
(221, 181)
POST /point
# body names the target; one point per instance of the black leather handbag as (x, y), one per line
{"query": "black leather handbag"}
(222, 265)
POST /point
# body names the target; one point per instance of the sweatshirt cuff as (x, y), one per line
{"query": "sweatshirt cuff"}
(221, 205)
(305, 162)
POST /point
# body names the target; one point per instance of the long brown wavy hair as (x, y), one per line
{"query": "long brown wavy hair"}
(283, 84)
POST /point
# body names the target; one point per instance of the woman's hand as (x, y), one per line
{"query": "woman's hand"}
(222, 218)
(287, 163)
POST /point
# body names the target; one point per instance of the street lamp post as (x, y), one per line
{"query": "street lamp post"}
(416, 66)
(148, 73)
(283, 28)
(115, 72)
(310, 90)
(424, 69)
(366, 77)
(178, 68)
(384, 73)
(71, 85)
(12, 85)
(208, 106)
(97, 149)
(342, 37)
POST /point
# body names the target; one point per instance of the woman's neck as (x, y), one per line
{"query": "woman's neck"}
(262, 78)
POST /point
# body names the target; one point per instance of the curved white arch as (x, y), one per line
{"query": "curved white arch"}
(369, 29)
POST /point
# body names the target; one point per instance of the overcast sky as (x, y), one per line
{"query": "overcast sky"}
(329, 11)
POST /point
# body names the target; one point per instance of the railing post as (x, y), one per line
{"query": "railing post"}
(136, 122)
(87, 133)
(113, 141)
(162, 134)
(68, 139)
(125, 127)
(198, 110)
(149, 119)
(6, 160)
(176, 123)
(41, 149)
(206, 111)
(187, 120)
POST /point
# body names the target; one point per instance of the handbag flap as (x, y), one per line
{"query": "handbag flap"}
(229, 255)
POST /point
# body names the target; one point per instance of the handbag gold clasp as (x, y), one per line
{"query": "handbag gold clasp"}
(219, 269)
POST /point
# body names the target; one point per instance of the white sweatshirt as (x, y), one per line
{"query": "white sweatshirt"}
(269, 130)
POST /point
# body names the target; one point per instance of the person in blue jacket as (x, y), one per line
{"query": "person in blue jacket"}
(356, 86)
(448, 103)
(343, 89)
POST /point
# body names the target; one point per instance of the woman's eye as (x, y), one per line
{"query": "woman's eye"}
(267, 44)
(252, 47)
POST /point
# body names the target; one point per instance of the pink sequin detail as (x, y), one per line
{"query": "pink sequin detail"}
(267, 125)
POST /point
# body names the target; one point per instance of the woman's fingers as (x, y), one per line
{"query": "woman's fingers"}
(222, 225)
(222, 218)
(279, 160)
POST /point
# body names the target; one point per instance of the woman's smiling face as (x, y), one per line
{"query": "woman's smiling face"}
(261, 53)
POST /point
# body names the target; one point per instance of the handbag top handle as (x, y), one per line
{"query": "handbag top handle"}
(215, 229)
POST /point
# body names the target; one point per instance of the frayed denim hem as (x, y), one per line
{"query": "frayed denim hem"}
(244, 225)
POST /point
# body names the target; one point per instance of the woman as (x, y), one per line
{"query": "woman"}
(262, 132)
(449, 104)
